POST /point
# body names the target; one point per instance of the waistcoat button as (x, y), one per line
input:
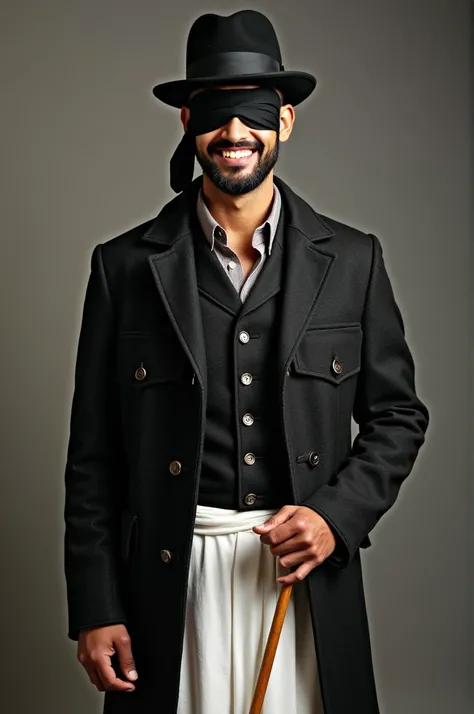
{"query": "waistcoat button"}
(175, 467)
(250, 499)
(336, 366)
(244, 337)
(140, 373)
(248, 419)
(246, 378)
(165, 556)
(249, 459)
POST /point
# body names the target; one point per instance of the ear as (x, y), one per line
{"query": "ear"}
(287, 119)
(184, 115)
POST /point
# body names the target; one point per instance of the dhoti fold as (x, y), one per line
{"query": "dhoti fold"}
(231, 600)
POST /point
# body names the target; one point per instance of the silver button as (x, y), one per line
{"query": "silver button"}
(244, 337)
(246, 378)
(250, 499)
(175, 467)
(165, 556)
(248, 419)
(249, 458)
(140, 373)
(336, 366)
(231, 264)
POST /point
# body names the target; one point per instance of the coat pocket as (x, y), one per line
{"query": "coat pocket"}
(330, 353)
(146, 359)
(129, 534)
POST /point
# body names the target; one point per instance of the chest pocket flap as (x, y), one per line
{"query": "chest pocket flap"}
(144, 359)
(330, 353)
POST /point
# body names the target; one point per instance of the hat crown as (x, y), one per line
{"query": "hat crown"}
(242, 49)
(243, 31)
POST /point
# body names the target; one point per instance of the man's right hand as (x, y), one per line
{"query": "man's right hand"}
(95, 648)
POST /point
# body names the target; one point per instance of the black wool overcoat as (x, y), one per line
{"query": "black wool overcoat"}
(342, 352)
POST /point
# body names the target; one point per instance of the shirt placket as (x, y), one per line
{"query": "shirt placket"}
(232, 264)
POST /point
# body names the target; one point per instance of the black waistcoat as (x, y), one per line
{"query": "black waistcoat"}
(244, 464)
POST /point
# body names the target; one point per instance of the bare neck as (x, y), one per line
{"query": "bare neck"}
(239, 216)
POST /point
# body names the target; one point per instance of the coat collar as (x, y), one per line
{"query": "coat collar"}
(173, 221)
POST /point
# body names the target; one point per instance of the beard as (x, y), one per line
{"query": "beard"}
(235, 181)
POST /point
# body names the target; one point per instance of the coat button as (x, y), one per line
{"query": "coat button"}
(249, 459)
(248, 419)
(336, 366)
(313, 458)
(175, 467)
(250, 499)
(244, 337)
(246, 378)
(140, 373)
(165, 556)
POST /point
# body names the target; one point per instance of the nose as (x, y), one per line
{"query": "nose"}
(235, 131)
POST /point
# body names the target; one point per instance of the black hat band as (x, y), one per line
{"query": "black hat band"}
(229, 63)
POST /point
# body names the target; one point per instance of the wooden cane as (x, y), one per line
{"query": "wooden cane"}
(270, 649)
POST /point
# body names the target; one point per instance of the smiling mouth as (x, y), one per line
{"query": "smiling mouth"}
(233, 157)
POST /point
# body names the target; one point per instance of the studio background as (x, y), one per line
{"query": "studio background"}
(383, 144)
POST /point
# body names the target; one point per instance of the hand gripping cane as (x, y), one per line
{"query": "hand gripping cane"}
(270, 649)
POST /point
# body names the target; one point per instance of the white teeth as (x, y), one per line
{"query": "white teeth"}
(236, 154)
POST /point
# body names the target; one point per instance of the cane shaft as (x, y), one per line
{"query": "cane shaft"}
(270, 649)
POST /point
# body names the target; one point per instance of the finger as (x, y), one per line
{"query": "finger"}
(295, 544)
(277, 519)
(109, 678)
(297, 575)
(281, 534)
(295, 558)
(90, 669)
(123, 646)
(95, 678)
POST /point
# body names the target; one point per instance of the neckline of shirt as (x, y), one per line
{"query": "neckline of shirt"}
(211, 227)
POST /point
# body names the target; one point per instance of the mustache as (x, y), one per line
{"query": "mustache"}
(228, 146)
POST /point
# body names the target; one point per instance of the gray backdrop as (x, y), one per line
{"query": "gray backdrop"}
(382, 144)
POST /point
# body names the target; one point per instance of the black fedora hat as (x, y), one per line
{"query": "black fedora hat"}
(237, 49)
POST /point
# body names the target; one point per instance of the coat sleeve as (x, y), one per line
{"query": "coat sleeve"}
(93, 485)
(392, 423)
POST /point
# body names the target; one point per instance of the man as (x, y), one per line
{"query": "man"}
(224, 348)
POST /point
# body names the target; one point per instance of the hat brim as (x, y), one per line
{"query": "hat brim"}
(296, 86)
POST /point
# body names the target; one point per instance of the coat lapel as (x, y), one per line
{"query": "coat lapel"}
(174, 272)
(306, 267)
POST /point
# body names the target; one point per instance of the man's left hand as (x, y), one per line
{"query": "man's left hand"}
(300, 535)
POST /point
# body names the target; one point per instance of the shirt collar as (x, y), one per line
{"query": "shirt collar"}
(209, 225)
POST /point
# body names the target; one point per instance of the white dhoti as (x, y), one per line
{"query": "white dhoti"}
(232, 596)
